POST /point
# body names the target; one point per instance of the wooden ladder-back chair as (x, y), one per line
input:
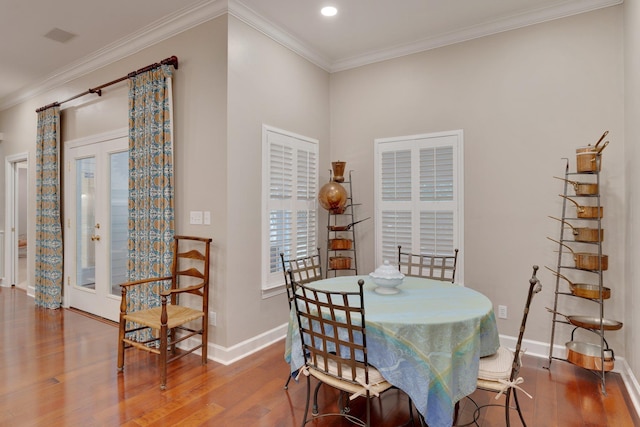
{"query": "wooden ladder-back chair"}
(334, 343)
(304, 270)
(500, 371)
(171, 322)
(431, 266)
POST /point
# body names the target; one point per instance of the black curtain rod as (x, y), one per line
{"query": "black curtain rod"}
(173, 60)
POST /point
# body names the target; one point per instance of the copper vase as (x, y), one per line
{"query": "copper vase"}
(338, 171)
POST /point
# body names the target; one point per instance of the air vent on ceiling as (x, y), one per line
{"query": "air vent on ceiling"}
(59, 35)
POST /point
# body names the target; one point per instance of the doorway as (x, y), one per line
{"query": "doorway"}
(17, 235)
(96, 208)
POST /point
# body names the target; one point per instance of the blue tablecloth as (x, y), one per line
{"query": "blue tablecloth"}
(426, 339)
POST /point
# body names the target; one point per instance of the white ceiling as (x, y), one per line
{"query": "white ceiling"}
(364, 31)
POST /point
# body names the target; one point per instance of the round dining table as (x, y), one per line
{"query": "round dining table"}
(426, 339)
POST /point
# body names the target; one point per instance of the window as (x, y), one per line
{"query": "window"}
(418, 194)
(290, 188)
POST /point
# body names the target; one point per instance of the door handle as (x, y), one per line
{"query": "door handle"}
(95, 237)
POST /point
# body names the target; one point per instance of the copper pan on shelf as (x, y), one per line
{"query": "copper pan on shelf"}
(590, 322)
(587, 260)
(584, 234)
(582, 188)
(586, 212)
(585, 290)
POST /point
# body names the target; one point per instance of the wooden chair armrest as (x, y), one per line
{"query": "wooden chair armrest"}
(143, 281)
(189, 289)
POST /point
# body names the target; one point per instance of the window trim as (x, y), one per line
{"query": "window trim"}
(270, 283)
(379, 143)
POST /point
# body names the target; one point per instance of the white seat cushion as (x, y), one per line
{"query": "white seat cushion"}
(497, 366)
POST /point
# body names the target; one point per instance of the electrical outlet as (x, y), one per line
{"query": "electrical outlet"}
(207, 218)
(502, 311)
(212, 318)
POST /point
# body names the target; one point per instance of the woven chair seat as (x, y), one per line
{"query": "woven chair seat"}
(177, 315)
(377, 383)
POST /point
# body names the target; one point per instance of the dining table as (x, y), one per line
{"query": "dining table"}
(425, 339)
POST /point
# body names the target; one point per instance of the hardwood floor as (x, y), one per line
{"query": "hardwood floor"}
(58, 368)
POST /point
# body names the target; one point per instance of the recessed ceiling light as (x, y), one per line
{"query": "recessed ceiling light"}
(329, 11)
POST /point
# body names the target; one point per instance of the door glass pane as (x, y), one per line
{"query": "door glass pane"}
(85, 205)
(119, 171)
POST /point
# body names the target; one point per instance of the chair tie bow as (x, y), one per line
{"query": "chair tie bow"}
(304, 370)
(365, 387)
(512, 384)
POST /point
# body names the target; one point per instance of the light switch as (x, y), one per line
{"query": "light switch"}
(207, 218)
(195, 217)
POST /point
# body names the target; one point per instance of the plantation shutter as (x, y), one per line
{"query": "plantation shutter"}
(418, 195)
(291, 184)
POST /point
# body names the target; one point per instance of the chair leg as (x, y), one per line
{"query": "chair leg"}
(315, 399)
(515, 399)
(286, 385)
(368, 415)
(411, 420)
(507, 408)
(306, 406)
(121, 345)
(205, 338)
(122, 329)
(163, 356)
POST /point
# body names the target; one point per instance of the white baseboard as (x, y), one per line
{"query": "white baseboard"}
(230, 355)
(540, 349)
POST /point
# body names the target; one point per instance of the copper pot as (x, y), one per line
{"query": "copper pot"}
(585, 290)
(588, 159)
(584, 234)
(587, 260)
(582, 188)
(587, 212)
(589, 356)
(339, 263)
(340, 244)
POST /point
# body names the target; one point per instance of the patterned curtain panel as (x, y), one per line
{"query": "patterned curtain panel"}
(151, 199)
(49, 254)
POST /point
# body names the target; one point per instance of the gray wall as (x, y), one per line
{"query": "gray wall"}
(272, 85)
(525, 99)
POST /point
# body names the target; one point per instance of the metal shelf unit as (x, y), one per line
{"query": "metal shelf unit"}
(565, 246)
(342, 261)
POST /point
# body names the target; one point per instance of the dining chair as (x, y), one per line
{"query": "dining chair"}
(334, 343)
(304, 270)
(178, 318)
(431, 266)
(500, 371)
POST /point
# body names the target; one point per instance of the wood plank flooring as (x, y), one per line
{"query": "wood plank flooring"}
(58, 368)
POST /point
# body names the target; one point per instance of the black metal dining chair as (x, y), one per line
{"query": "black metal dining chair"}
(334, 343)
(431, 266)
(304, 270)
(500, 371)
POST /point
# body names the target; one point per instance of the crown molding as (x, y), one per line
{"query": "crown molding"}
(570, 8)
(276, 33)
(162, 29)
(206, 10)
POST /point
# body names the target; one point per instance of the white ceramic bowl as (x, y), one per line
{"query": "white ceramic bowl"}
(387, 278)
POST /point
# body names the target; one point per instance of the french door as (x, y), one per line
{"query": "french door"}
(96, 226)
